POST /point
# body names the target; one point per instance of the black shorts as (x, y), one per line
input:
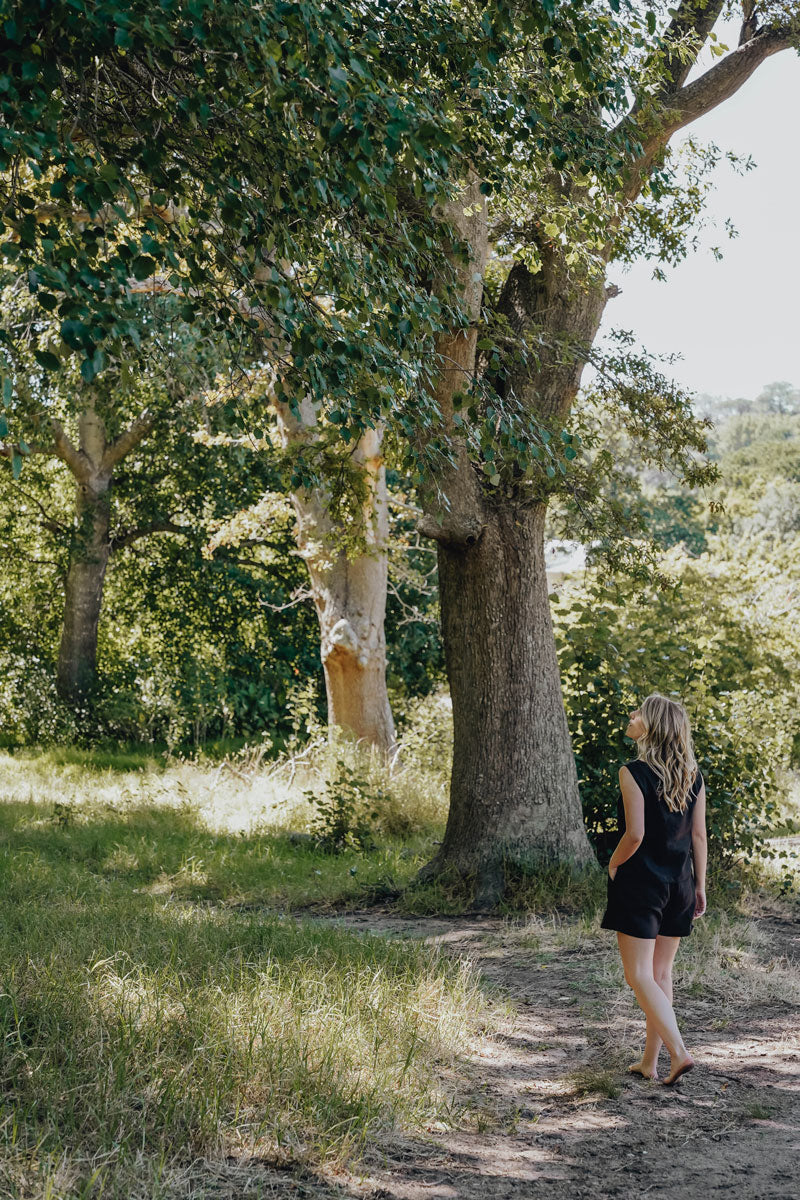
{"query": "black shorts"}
(642, 905)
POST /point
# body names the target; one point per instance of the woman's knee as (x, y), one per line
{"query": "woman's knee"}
(636, 977)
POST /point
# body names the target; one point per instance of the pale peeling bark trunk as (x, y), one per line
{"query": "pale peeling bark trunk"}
(77, 657)
(349, 593)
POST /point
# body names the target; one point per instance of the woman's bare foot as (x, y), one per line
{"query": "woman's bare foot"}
(644, 1069)
(677, 1070)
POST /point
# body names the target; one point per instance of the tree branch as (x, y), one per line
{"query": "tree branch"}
(749, 22)
(47, 522)
(128, 440)
(128, 536)
(696, 99)
(64, 449)
(725, 78)
(689, 28)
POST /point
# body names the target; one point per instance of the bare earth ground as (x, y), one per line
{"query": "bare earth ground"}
(538, 1121)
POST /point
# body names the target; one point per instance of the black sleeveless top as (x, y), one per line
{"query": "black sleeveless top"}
(666, 848)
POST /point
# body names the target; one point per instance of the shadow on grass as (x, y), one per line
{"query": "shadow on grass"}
(153, 1008)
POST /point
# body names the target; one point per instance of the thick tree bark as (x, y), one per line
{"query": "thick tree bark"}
(77, 656)
(349, 591)
(514, 788)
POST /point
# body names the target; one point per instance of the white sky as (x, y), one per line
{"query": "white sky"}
(735, 322)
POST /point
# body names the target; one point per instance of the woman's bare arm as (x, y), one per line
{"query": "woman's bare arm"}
(631, 839)
(700, 850)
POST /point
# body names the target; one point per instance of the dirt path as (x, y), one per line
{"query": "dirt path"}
(551, 1111)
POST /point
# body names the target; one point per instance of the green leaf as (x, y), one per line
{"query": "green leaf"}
(143, 266)
(16, 463)
(47, 360)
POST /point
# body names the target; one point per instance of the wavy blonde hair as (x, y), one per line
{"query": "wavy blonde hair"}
(667, 747)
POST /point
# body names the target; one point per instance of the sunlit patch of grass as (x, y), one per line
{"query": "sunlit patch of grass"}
(158, 1012)
(237, 832)
(595, 1080)
(729, 957)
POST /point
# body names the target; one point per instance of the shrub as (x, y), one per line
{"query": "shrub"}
(704, 645)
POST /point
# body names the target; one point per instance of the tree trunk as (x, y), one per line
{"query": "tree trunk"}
(514, 789)
(349, 591)
(77, 657)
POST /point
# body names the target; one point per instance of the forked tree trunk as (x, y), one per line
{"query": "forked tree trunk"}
(349, 591)
(514, 789)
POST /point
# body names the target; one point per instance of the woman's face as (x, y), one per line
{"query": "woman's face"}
(635, 728)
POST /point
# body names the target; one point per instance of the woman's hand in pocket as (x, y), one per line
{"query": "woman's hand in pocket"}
(612, 871)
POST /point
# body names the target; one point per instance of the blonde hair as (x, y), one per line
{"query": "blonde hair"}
(666, 746)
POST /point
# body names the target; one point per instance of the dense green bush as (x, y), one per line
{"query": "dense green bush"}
(704, 644)
(31, 712)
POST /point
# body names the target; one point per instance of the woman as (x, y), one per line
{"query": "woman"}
(652, 895)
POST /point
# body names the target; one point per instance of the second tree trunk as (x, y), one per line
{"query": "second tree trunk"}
(77, 657)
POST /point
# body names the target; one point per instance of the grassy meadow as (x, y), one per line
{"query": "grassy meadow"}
(158, 1002)
(167, 999)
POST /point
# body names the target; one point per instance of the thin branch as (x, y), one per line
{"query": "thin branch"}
(725, 78)
(749, 22)
(299, 596)
(701, 96)
(689, 29)
(129, 536)
(47, 522)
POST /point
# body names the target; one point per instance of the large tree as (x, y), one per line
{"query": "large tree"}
(514, 793)
(277, 169)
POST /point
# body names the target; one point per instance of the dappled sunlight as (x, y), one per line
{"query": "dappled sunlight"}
(242, 795)
(223, 798)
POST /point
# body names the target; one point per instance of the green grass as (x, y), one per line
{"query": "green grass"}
(160, 1007)
(155, 1009)
(227, 834)
(597, 1080)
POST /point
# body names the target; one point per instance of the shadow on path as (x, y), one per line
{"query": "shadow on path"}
(552, 1111)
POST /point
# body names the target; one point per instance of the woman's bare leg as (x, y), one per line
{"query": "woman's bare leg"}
(663, 957)
(637, 960)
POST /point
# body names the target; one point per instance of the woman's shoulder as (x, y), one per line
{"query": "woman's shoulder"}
(643, 774)
(636, 765)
